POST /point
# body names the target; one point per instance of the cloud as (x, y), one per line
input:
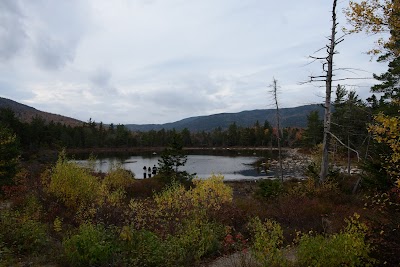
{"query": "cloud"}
(53, 54)
(101, 82)
(12, 32)
(149, 61)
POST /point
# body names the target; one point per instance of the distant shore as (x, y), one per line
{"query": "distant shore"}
(159, 149)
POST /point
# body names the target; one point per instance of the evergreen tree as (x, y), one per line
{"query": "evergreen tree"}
(172, 158)
(9, 155)
(314, 132)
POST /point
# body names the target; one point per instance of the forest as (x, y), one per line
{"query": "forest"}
(54, 212)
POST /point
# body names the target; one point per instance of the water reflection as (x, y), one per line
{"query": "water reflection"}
(233, 165)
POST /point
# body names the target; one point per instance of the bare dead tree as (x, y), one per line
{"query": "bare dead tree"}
(328, 91)
(327, 78)
(274, 91)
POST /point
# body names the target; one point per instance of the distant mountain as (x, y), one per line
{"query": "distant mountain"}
(290, 117)
(26, 113)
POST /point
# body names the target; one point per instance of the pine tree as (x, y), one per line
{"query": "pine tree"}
(9, 155)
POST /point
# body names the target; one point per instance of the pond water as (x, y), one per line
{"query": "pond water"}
(233, 165)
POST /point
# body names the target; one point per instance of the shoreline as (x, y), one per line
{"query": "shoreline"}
(158, 149)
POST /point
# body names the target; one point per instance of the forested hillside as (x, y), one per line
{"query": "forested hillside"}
(26, 113)
(290, 117)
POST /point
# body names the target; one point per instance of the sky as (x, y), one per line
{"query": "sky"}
(159, 61)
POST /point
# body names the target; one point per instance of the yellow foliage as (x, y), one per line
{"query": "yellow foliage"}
(211, 192)
(175, 203)
(57, 224)
(71, 184)
(113, 187)
(375, 16)
(118, 177)
(386, 129)
(126, 233)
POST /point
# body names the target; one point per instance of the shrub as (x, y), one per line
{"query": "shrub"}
(6, 257)
(310, 188)
(9, 155)
(195, 240)
(118, 178)
(267, 242)
(72, 184)
(92, 245)
(210, 193)
(140, 248)
(347, 248)
(23, 234)
(207, 194)
(269, 188)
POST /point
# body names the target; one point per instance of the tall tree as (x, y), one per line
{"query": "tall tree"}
(382, 16)
(349, 121)
(274, 91)
(314, 132)
(334, 41)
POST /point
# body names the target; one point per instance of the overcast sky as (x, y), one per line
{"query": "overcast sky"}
(158, 61)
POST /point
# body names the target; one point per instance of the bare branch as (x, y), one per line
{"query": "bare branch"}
(355, 151)
(350, 78)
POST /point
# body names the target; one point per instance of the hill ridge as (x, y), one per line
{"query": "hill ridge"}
(290, 117)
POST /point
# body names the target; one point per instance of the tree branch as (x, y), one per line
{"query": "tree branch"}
(355, 151)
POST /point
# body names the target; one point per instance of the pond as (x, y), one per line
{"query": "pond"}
(232, 164)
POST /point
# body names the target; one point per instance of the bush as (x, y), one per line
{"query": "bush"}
(141, 248)
(267, 242)
(6, 257)
(195, 240)
(9, 155)
(207, 194)
(118, 178)
(269, 188)
(72, 184)
(92, 245)
(23, 234)
(175, 204)
(347, 248)
(311, 188)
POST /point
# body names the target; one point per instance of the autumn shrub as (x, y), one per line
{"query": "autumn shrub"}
(234, 241)
(268, 188)
(114, 185)
(179, 217)
(73, 186)
(140, 248)
(91, 245)
(23, 234)
(169, 208)
(267, 242)
(118, 178)
(145, 188)
(311, 188)
(346, 248)
(193, 241)
(210, 193)
(6, 256)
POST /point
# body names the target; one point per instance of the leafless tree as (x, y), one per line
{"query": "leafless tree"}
(327, 77)
(274, 91)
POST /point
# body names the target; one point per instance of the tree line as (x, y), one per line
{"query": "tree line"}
(38, 134)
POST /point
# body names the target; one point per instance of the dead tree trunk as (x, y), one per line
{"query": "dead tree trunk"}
(328, 91)
(274, 86)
